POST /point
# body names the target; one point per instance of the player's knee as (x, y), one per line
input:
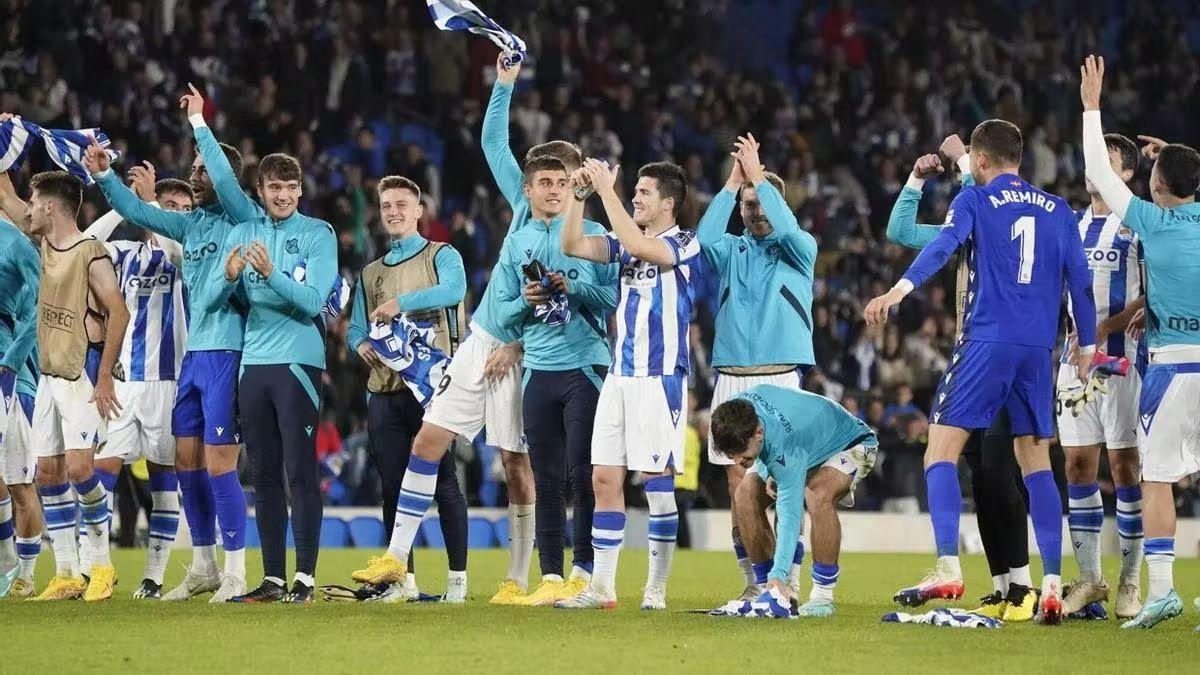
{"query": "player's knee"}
(1081, 466)
(431, 443)
(734, 475)
(1126, 467)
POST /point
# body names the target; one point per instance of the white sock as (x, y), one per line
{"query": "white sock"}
(204, 560)
(8, 547)
(1129, 530)
(1085, 517)
(1051, 581)
(58, 505)
(416, 493)
(743, 560)
(1160, 563)
(1020, 576)
(578, 572)
(28, 549)
(520, 542)
(608, 533)
(949, 566)
(235, 563)
(306, 579)
(84, 545)
(276, 580)
(164, 524)
(1000, 583)
(94, 507)
(797, 563)
(663, 529)
(453, 576)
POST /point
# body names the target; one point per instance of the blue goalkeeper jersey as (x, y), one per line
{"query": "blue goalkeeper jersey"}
(20, 274)
(766, 284)
(202, 232)
(1020, 245)
(801, 431)
(1170, 241)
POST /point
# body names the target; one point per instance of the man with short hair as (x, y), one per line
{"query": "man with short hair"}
(766, 286)
(204, 420)
(82, 320)
(1169, 415)
(425, 282)
(1021, 247)
(281, 265)
(640, 417)
(152, 286)
(804, 443)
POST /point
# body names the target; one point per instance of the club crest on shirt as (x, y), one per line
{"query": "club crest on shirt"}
(1124, 233)
(292, 246)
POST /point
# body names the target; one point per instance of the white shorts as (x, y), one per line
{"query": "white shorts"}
(640, 422)
(1110, 419)
(465, 403)
(65, 417)
(144, 427)
(17, 462)
(857, 462)
(1169, 422)
(728, 386)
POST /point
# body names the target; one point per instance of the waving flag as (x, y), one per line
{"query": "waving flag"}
(407, 348)
(65, 146)
(463, 15)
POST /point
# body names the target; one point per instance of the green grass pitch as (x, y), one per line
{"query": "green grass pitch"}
(143, 636)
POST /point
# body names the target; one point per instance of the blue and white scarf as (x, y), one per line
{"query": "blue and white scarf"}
(65, 146)
(463, 15)
(407, 347)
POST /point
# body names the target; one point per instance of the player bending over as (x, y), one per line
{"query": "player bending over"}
(1021, 246)
(1169, 404)
(804, 443)
(639, 418)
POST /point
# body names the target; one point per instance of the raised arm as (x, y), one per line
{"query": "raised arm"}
(574, 242)
(799, 245)
(234, 200)
(636, 243)
(495, 141)
(167, 223)
(102, 280)
(25, 259)
(714, 224)
(1095, 153)
(902, 227)
(13, 206)
(601, 296)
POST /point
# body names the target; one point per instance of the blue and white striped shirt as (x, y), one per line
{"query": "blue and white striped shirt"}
(1114, 256)
(153, 289)
(655, 308)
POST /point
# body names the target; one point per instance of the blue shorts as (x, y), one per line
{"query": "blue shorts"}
(206, 402)
(984, 378)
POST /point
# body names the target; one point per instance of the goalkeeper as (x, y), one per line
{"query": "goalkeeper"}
(804, 442)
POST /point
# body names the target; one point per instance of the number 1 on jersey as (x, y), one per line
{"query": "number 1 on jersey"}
(1023, 229)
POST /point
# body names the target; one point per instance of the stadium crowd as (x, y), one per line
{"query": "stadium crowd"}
(843, 100)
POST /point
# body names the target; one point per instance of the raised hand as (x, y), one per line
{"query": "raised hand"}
(1091, 81)
(737, 177)
(193, 102)
(747, 155)
(927, 166)
(602, 176)
(1153, 146)
(95, 158)
(953, 147)
(506, 74)
(143, 178)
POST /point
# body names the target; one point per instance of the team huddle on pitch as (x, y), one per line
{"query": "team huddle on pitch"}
(209, 333)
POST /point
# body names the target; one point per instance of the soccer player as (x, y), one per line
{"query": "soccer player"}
(204, 419)
(766, 291)
(1021, 246)
(81, 323)
(281, 266)
(999, 505)
(640, 416)
(1169, 415)
(20, 537)
(482, 384)
(804, 443)
(148, 272)
(1114, 259)
(426, 282)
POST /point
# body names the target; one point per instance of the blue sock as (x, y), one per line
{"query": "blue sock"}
(1129, 530)
(108, 480)
(761, 570)
(945, 505)
(8, 548)
(608, 534)
(164, 523)
(824, 578)
(198, 506)
(58, 505)
(416, 494)
(230, 503)
(1160, 564)
(663, 528)
(1045, 510)
(94, 512)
